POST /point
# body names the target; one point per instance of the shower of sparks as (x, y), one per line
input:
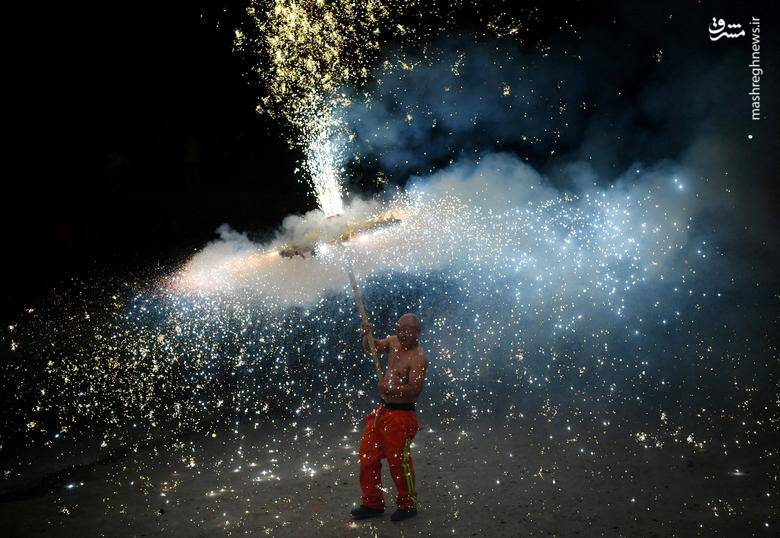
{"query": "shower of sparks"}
(323, 161)
(579, 315)
(306, 51)
(564, 294)
(578, 321)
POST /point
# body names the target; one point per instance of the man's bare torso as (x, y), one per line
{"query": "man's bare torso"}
(400, 363)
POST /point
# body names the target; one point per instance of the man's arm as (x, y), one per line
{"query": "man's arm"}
(414, 387)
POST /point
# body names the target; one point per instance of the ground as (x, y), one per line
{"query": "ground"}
(487, 477)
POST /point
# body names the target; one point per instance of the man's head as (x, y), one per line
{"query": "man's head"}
(408, 330)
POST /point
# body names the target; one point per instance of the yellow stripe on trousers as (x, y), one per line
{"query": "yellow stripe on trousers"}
(408, 472)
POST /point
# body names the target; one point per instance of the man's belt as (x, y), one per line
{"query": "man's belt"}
(400, 406)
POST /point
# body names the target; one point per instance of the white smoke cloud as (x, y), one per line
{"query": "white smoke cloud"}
(499, 218)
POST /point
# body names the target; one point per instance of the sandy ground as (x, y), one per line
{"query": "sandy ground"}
(524, 478)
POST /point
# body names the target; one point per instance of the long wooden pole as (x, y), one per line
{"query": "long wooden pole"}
(364, 318)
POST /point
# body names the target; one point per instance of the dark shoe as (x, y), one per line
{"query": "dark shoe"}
(401, 514)
(362, 512)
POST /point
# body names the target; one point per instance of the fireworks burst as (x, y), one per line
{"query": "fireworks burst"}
(307, 50)
(571, 304)
(324, 156)
(311, 55)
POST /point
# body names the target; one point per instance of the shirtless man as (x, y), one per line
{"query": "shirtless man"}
(392, 424)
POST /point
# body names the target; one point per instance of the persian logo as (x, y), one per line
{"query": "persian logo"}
(719, 29)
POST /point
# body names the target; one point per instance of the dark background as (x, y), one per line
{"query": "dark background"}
(137, 134)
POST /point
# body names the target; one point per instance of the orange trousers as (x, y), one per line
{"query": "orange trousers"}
(388, 434)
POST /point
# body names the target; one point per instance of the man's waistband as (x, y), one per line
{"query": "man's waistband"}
(397, 406)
